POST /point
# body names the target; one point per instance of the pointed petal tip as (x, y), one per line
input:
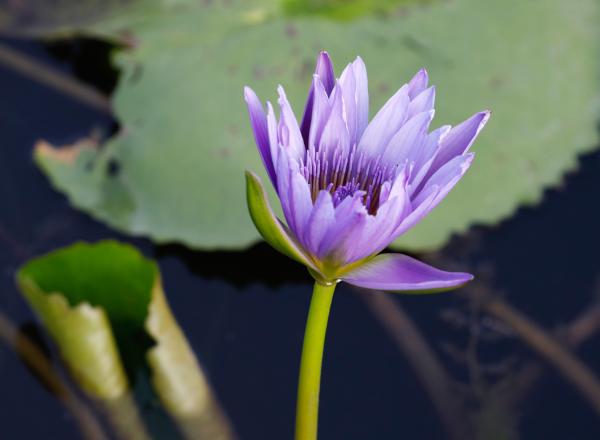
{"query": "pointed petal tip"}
(401, 273)
(465, 276)
(483, 116)
(469, 157)
(464, 167)
(423, 74)
(324, 57)
(324, 70)
(461, 279)
(253, 179)
(249, 94)
(418, 83)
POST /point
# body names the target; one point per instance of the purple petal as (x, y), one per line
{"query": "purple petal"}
(261, 132)
(335, 136)
(397, 272)
(294, 193)
(459, 139)
(301, 201)
(447, 176)
(418, 83)
(320, 220)
(436, 188)
(324, 71)
(419, 211)
(354, 84)
(282, 167)
(288, 131)
(399, 184)
(274, 143)
(386, 123)
(362, 96)
(348, 86)
(426, 155)
(378, 230)
(350, 217)
(285, 169)
(320, 114)
(422, 103)
(408, 141)
(355, 235)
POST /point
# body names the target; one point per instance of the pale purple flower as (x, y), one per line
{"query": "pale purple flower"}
(349, 187)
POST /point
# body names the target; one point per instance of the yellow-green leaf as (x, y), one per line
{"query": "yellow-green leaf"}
(96, 300)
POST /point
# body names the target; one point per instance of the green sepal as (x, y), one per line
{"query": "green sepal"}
(267, 223)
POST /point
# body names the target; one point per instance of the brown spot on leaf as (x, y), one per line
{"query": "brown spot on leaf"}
(233, 130)
(383, 87)
(232, 69)
(224, 152)
(278, 70)
(66, 154)
(304, 70)
(136, 73)
(291, 30)
(258, 73)
(496, 82)
(128, 39)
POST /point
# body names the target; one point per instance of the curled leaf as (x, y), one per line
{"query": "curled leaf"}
(104, 306)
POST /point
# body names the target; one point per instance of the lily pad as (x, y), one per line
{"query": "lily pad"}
(97, 302)
(186, 140)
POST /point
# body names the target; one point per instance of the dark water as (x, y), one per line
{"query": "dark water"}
(244, 312)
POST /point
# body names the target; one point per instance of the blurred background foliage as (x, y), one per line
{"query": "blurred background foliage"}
(184, 130)
(346, 9)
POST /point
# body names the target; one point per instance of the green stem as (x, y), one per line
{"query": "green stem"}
(307, 409)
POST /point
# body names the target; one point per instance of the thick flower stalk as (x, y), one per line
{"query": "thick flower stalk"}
(349, 187)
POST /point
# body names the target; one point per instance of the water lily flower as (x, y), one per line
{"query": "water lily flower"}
(348, 188)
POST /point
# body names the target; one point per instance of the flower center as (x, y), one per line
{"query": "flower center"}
(344, 173)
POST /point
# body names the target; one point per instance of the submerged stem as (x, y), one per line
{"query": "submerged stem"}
(307, 409)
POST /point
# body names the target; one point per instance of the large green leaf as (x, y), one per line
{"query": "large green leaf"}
(97, 300)
(186, 139)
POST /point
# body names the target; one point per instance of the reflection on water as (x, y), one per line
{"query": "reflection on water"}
(459, 365)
